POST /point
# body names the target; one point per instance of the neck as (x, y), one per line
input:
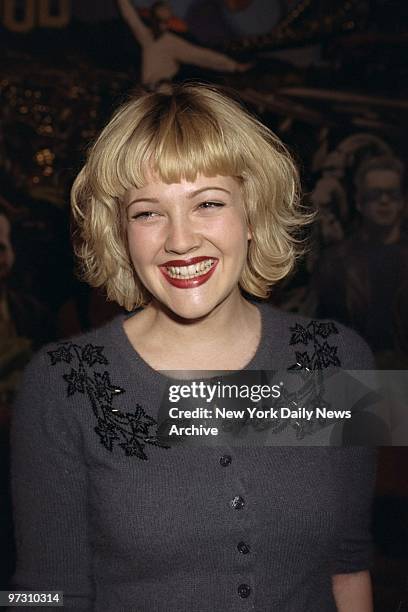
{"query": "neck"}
(232, 315)
(225, 339)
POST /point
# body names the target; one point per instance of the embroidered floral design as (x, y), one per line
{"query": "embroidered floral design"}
(61, 354)
(107, 433)
(76, 382)
(131, 431)
(93, 354)
(321, 355)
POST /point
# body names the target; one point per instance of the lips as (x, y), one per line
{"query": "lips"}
(189, 273)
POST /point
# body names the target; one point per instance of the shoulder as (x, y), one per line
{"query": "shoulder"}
(316, 344)
(175, 41)
(51, 367)
(100, 339)
(56, 383)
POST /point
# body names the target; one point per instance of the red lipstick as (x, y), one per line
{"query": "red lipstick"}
(188, 283)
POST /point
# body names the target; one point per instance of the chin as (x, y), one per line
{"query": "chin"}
(385, 223)
(190, 312)
(189, 309)
(192, 305)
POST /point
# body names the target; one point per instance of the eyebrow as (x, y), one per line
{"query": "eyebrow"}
(190, 195)
(151, 200)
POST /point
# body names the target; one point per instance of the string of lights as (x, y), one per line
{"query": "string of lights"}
(58, 113)
(307, 21)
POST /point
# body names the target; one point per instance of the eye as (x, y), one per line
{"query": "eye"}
(143, 216)
(209, 205)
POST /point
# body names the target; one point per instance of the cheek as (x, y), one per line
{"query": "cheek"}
(139, 255)
(232, 232)
(132, 242)
(140, 244)
(239, 235)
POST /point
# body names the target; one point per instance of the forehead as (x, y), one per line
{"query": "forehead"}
(162, 7)
(381, 178)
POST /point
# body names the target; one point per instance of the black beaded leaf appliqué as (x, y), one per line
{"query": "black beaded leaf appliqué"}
(317, 356)
(131, 430)
(322, 354)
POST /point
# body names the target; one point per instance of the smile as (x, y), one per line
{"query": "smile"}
(191, 271)
(197, 272)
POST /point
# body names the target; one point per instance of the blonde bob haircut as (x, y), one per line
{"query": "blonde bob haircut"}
(193, 130)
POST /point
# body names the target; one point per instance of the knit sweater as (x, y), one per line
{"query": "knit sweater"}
(111, 515)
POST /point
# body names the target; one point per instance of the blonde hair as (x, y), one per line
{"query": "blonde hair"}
(194, 130)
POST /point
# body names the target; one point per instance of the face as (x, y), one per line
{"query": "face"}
(334, 165)
(381, 201)
(188, 242)
(6, 249)
(163, 12)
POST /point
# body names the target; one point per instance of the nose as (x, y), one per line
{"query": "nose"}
(385, 197)
(181, 237)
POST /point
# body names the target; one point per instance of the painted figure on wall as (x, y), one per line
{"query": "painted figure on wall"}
(163, 51)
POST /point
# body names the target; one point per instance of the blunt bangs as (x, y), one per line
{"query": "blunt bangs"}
(174, 139)
(194, 130)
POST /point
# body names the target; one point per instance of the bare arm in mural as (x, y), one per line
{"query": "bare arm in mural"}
(188, 53)
(182, 51)
(141, 32)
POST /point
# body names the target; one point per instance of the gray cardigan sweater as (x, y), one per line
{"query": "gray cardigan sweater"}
(109, 515)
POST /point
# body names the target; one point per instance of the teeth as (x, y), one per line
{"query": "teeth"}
(187, 272)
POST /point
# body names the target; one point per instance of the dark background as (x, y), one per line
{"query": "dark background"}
(327, 77)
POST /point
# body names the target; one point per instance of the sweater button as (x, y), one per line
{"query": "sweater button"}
(237, 503)
(225, 460)
(244, 590)
(243, 548)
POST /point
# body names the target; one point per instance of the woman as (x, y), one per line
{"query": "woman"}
(163, 51)
(185, 202)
